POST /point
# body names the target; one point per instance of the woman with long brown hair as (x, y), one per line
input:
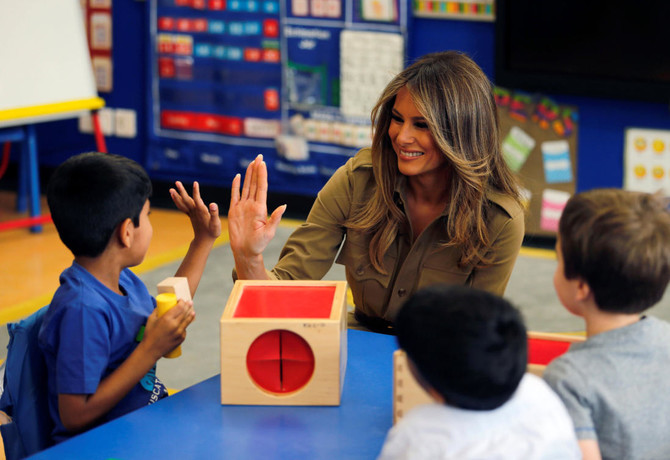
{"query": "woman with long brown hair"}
(432, 201)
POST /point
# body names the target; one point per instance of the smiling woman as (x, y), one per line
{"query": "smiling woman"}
(430, 201)
(420, 160)
(418, 156)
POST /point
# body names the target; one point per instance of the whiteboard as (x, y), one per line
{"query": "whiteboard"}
(45, 67)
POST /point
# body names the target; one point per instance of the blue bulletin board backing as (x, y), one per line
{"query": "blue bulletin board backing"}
(231, 80)
(600, 141)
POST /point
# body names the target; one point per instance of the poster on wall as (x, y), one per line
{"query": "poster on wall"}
(647, 160)
(98, 22)
(293, 80)
(472, 10)
(215, 85)
(334, 77)
(539, 144)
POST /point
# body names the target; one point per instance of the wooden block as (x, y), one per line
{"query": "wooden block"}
(543, 347)
(407, 392)
(177, 285)
(284, 343)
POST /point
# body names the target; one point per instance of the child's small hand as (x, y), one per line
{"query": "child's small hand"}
(166, 333)
(205, 220)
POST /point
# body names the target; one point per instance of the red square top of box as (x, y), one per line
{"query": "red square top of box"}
(285, 302)
(542, 351)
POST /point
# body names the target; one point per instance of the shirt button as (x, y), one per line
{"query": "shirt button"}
(401, 292)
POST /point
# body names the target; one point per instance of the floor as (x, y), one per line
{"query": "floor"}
(33, 261)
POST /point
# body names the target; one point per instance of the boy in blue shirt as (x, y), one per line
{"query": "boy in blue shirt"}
(101, 336)
(613, 251)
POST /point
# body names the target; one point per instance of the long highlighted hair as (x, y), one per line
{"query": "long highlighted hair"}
(455, 97)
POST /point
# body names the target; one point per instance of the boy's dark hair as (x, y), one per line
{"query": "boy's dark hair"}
(90, 194)
(618, 242)
(469, 345)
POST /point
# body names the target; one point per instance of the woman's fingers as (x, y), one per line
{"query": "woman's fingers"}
(262, 183)
(255, 183)
(253, 188)
(247, 181)
(235, 190)
(273, 222)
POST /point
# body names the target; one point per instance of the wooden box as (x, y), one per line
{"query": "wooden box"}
(284, 343)
(543, 347)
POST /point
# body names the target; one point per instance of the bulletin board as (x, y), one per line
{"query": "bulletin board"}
(539, 142)
(46, 69)
(293, 80)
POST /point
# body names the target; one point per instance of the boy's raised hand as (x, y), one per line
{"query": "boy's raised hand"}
(204, 219)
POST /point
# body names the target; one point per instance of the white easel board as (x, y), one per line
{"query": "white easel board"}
(45, 67)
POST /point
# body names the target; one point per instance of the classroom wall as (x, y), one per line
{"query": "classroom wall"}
(602, 122)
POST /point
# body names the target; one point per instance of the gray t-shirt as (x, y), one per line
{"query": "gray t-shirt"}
(615, 387)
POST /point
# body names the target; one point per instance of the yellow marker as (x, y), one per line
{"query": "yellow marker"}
(164, 302)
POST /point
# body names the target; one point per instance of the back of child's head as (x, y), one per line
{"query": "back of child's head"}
(469, 345)
(618, 242)
(90, 194)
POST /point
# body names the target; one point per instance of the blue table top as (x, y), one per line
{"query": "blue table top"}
(194, 424)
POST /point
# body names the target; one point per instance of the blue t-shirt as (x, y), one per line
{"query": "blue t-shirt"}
(88, 332)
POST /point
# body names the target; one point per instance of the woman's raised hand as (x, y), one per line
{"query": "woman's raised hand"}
(249, 227)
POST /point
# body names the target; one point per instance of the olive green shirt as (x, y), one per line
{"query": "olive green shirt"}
(311, 249)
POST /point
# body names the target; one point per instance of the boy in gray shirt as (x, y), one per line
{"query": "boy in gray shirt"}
(613, 251)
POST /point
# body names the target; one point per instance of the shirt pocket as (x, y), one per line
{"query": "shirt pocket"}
(441, 266)
(368, 286)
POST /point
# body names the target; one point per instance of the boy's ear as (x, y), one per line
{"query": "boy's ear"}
(583, 290)
(125, 232)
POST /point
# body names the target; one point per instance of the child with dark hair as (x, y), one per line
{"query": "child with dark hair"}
(613, 250)
(468, 349)
(101, 336)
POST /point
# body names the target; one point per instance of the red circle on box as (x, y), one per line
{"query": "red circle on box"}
(280, 361)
